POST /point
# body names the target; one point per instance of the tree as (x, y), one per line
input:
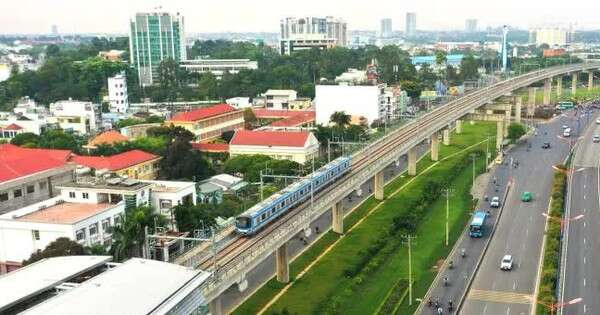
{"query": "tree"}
(27, 139)
(62, 246)
(57, 139)
(515, 131)
(129, 235)
(180, 160)
(170, 77)
(412, 88)
(469, 68)
(207, 86)
(250, 120)
(440, 57)
(341, 119)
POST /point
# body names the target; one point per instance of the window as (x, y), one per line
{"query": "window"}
(43, 185)
(165, 204)
(106, 225)
(35, 234)
(93, 229)
(85, 195)
(3, 196)
(30, 189)
(80, 235)
(71, 194)
(17, 193)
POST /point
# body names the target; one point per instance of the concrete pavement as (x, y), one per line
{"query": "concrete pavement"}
(581, 244)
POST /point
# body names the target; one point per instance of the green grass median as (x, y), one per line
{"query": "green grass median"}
(367, 266)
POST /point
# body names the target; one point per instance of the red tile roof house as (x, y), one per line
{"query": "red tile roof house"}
(210, 122)
(28, 176)
(135, 164)
(298, 146)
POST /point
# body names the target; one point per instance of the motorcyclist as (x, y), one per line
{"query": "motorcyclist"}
(445, 281)
(451, 264)
(450, 305)
(463, 252)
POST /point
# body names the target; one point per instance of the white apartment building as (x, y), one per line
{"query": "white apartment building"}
(81, 217)
(218, 67)
(279, 99)
(552, 36)
(77, 116)
(166, 195)
(311, 32)
(239, 102)
(364, 103)
(117, 93)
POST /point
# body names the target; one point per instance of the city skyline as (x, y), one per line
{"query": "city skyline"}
(33, 17)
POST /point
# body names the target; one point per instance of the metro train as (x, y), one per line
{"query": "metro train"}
(261, 214)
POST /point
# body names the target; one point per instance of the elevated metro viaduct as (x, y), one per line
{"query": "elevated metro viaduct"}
(234, 263)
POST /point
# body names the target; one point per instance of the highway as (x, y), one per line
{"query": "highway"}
(581, 244)
(520, 229)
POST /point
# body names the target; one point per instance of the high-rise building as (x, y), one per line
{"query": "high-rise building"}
(411, 24)
(552, 36)
(117, 93)
(471, 25)
(154, 37)
(54, 29)
(386, 28)
(308, 32)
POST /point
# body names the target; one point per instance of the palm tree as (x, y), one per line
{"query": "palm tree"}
(129, 235)
(340, 118)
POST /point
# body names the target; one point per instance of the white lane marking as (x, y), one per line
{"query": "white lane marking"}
(484, 308)
(584, 308)
(514, 285)
(527, 232)
(584, 260)
(583, 223)
(584, 240)
(508, 310)
(584, 282)
(583, 197)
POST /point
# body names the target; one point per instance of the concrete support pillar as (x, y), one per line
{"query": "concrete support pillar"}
(282, 262)
(379, 184)
(499, 134)
(507, 119)
(412, 161)
(446, 136)
(590, 80)
(215, 307)
(559, 86)
(435, 147)
(166, 253)
(574, 83)
(547, 91)
(459, 126)
(338, 218)
(531, 102)
(518, 104)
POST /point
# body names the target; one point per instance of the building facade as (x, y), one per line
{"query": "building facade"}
(154, 37)
(551, 36)
(297, 146)
(28, 175)
(76, 116)
(218, 67)
(471, 25)
(117, 93)
(311, 32)
(411, 24)
(210, 122)
(135, 164)
(279, 99)
(385, 28)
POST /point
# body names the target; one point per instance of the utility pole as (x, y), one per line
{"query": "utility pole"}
(409, 238)
(447, 191)
(487, 151)
(473, 156)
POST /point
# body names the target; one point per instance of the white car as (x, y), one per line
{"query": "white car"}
(596, 138)
(495, 203)
(598, 121)
(565, 126)
(507, 263)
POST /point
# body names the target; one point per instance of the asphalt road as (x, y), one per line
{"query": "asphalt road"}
(582, 246)
(520, 230)
(232, 297)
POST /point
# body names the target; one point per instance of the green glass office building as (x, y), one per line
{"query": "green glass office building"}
(154, 37)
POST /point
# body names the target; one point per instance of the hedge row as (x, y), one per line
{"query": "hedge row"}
(406, 222)
(395, 297)
(549, 277)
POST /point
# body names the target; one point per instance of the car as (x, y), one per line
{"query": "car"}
(565, 126)
(596, 138)
(526, 196)
(567, 132)
(546, 145)
(506, 263)
(598, 121)
(495, 203)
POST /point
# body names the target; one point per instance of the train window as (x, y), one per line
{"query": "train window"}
(263, 216)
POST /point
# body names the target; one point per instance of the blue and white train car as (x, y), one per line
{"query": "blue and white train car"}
(271, 208)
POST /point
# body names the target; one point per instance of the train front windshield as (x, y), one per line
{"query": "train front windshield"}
(475, 229)
(242, 222)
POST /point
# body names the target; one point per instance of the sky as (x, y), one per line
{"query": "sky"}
(111, 16)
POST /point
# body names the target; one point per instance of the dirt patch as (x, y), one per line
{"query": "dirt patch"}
(480, 185)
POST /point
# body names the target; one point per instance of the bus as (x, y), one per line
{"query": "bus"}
(565, 105)
(476, 228)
